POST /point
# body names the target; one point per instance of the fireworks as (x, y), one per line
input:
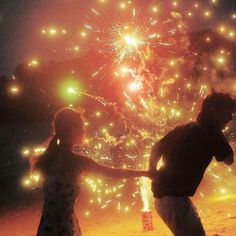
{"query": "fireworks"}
(156, 76)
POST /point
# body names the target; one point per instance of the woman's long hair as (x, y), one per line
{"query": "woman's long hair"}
(64, 123)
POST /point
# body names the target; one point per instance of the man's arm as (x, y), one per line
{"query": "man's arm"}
(155, 156)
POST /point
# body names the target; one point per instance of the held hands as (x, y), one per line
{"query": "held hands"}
(152, 174)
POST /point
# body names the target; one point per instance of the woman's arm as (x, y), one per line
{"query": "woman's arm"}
(92, 166)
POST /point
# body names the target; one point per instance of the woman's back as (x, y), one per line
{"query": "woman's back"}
(60, 189)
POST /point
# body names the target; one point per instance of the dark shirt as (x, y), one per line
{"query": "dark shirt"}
(187, 151)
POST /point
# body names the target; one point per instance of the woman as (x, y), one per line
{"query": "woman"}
(62, 169)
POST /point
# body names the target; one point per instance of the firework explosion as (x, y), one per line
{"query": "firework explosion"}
(159, 79)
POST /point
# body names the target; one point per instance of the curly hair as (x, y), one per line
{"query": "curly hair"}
(213, 103)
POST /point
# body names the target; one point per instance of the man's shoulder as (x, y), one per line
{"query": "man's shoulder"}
(181, 131)
(187, 127)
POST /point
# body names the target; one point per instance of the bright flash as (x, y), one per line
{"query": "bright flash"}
(131, 41)
(71, 90)
(135, 86)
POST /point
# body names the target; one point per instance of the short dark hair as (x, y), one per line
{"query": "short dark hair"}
(215, 101)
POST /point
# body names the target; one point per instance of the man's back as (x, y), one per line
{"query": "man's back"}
(187, 151)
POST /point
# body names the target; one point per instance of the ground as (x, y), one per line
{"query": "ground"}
(218, 217)
(20, 210)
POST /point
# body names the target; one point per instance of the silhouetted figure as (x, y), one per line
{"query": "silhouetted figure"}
(186, 152)
(62, 170)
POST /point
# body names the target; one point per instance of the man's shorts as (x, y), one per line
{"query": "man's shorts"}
(180, 215)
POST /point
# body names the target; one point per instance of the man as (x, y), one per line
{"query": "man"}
(186, 152)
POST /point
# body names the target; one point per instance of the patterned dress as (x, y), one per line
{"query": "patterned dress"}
(60, 191)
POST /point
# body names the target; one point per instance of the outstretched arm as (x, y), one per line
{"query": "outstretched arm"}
(94, 167)
(155, 156)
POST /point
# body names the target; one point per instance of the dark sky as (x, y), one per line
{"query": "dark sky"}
(22, 20)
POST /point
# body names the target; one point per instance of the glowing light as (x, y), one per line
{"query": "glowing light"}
(83, 34)
(33, 63)
(76, 48)
(131, 41)
(190, 14)
(14, 89)
(220, 60)
(223, 190)
(86, 140)
(52, 31)
(231, 34)
(26, 152)
(39, 150)
(172, 63)
(87, 213)
(70, 90)
(36, 177)
(98, 113)
(135, 86)
(58, 142)
(125, 69)
(207, 13)
(123, 5)
(222, 29)
(145, 185)
(175, 3)
(26, 182)
(234, 87)
(155, 9)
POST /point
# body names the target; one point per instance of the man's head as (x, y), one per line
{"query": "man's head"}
(217, 110)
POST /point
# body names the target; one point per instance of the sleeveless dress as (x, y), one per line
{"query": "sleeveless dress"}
(60, 191)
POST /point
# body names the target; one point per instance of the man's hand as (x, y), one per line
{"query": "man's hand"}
(229, 160)
(153, 174)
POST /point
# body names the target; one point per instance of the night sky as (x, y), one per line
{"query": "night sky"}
(22, 20)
